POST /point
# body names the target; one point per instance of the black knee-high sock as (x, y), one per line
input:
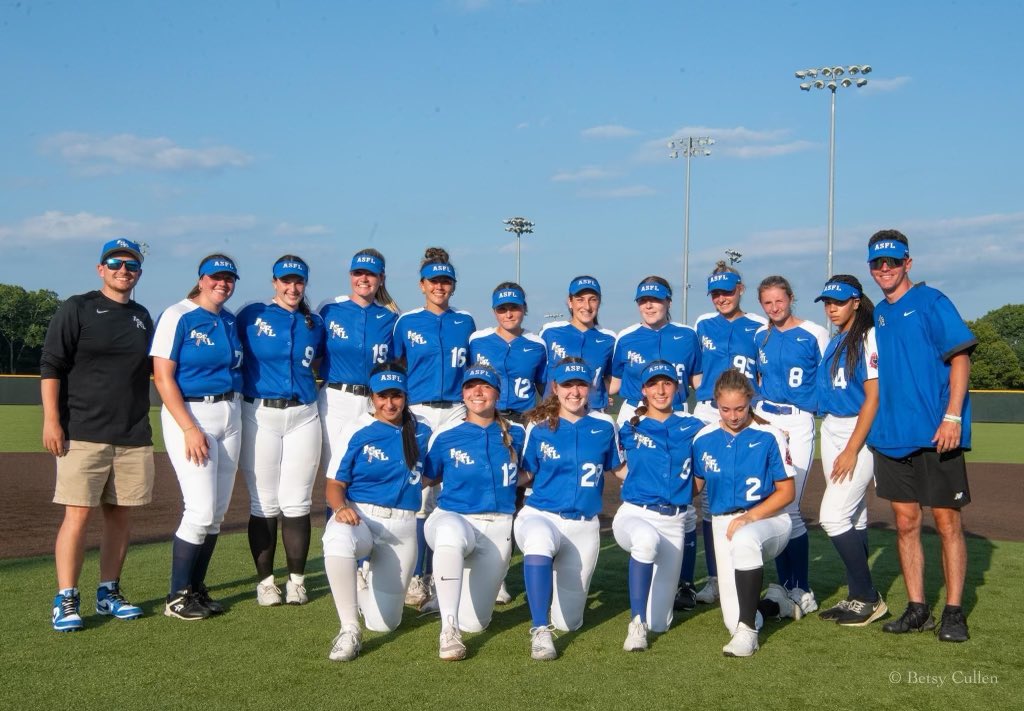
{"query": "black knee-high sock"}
(183, 562)
(748, 592)
(295, 530)
(263, 543)
(203, 560)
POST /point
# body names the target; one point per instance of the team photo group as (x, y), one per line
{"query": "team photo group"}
(443, 440)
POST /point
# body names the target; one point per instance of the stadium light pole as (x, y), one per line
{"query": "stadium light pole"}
(688, 147)
(830, 79)
(520, 226)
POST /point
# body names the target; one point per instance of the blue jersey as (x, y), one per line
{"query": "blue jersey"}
(787, 364)
(917, 336)
(521, 364)
(726, 344)
(739, 471)
(435, 348)
(658, 460)
(568, 465)
(594, 346)
(373, 464)
(203, 345)
(842, 394)
(279, 352)
(478, 471)
(638, 345)
(358, 338)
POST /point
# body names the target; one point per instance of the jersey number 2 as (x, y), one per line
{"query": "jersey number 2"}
(591, 474)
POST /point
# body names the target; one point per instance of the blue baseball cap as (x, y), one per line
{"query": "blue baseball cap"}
(510, 295)
(584, 283)
(218, 265)
(483, 374)
(888, 248)
(387, 380)
(654, 290)
(568, 372)
(723, 281)
(367, 262)
(838, 291)
(437, 269)
(658, 369)
(121, 245)
(288, 267)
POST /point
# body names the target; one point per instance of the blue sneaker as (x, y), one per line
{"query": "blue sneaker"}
(65, 612)
(110, 601)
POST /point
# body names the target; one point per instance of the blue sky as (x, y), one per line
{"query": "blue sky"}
(319, 128)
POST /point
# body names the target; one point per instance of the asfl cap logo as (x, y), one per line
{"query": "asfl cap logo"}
(831, 288)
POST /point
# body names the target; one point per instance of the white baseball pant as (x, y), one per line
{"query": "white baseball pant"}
(435, 418)
(337, 409)
(843, 506)
(280, 450)
(799, 427)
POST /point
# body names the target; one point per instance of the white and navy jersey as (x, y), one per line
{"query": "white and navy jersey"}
(917, 336)
(842, 394)
(521, 364)
(278, 352)
(568, 465)
(358, 338)
(478, 471)
(658, 459)
(373, 464)
(436, 349)
(594, 346)
(787, 364)
(726, 344)
(203, 345)
(739, 471)
(639, 344)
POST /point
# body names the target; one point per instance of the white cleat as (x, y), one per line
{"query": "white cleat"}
(418, 592)
(542, 644)
(451, 647)
(805, 599)
(268, 595)
(780, 596)
(295, 593)
(346, 645)
(743, 642)
(503, 597)
(636, 637)
(708, 594)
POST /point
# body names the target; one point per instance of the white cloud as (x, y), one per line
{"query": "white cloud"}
(608, 131)
(877, 86)
(589, 172)
(95, 155)
(56, 226)
(522, 124)
(766, 151)
(200, 225)
(629, 191)
(287, 229)
(733, 142)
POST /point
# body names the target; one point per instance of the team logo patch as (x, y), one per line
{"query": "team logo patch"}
(635, 358)
(710, 463)
(707, 344)
(372, 453)
(644, 441)
(200, 338)
(558, 351)
(263, 328)
(548, 452)
(761, 356)
(460, 457)
(138, 322)
(482, 359)
(415, 338)
(881, 320)
(874, 361)
(337, 330)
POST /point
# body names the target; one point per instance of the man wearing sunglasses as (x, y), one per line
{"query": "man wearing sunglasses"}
(95, 388)
(922, 428)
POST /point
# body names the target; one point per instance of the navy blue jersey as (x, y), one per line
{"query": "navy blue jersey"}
(739, 471)
(279, 350)
(787, 364)
(436, 349)
(658, 460)
(638, 345)
(373, 464)
(203, 345)
(917, 336)
(358, 338)
(726, 344)
(568, 465)
(479, 472)
(520, 363)
(842, 394)
(594, 346)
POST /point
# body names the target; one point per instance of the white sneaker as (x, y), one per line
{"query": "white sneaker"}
(709, 593)
(743, 643)
(503, 597)
(636, 637)
(451, 647)
(542, 644)
(805, 599)
(294, 593)
(418, 592)
(268, 595)
(787, 608)
(346, 645)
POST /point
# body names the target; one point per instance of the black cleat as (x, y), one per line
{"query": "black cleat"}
(953, 627)
(916, 618)
(202, 596)
(686, 597)
(184, 605)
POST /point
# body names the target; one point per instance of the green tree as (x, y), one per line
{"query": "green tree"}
(1008, 321)
(994, 365)
(24, 316)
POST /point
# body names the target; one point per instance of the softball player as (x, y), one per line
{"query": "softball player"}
(433, 342)
(281, 342)
(470, 531)
(788, 352)
(197, 360)
(374, 495)
(847, 383)
(657, 492)
(582, 337)
(742, 464)
(566, 455)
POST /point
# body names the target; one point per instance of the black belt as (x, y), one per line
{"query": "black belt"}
(275, 403)
(731, 513)
(514, 416)
(362, 390)
(437, 403)
(664, 509)
(229, 395)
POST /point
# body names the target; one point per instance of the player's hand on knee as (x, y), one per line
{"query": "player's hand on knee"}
(843, 467)
(347, 515)
(197, 449)
(53, 439)
(735, 525)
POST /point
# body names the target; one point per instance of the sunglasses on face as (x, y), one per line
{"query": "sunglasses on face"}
(115, 263)
(891, 262)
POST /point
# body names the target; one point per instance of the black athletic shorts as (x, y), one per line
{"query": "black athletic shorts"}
(925, 477)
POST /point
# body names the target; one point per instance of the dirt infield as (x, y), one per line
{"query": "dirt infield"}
(29, 520)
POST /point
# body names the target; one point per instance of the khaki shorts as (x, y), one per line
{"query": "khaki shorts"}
(92, 473)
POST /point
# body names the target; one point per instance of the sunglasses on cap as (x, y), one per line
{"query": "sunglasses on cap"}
(115, 263)
(891, 262)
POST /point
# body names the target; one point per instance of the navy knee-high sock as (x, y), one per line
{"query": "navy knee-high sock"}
(640, 577)
(538, 579)
(709, 548)
(689, 557)
(203, 560)
(850, 547)
(782, 568)
(799, 561)
(183, 562)
(863, 533)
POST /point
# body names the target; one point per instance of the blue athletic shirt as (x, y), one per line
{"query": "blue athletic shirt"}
(476, 467)
(917, 336)
(594, 346)
(203, 345)
(843, 394)
(373, 464)
(658, 460)
(279, 352)
(521, 364)
(568, 465)
(726, 344)
(358, 338)
(638, 345)
(436, 349)
(787, 363)
(739, 471)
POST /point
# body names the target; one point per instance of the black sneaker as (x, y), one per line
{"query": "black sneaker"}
(184, 605)
(916, 618)
(202, 596)
(860, 613)
(832, 614)
(953, 627)
(686, 597)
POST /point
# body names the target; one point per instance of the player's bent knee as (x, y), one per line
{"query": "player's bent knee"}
(833, 528)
